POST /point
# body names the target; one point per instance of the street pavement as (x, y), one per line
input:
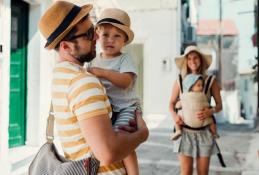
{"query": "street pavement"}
(239, 145)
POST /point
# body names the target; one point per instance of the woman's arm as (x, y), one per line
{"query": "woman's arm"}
(208, 112)
(107, 145)
(215, 92)
(173, 100)
(122, 80)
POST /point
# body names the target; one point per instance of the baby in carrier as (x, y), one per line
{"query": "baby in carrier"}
(192, 100)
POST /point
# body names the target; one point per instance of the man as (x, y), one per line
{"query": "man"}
(82, 109)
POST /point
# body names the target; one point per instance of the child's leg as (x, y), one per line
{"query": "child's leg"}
(213, 130)
(123, 118)
(177, 133)
(177, 127)
(131, 164)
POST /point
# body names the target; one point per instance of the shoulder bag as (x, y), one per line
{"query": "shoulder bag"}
(49, 162)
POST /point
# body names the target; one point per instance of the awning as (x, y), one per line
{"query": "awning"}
(211, 27)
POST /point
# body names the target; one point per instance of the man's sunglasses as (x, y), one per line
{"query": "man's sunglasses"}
(89, 34)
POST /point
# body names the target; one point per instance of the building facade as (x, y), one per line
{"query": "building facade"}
(26, 68)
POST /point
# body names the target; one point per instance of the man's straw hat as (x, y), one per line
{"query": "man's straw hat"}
(206, 59)
(117, 18)
(59, 19)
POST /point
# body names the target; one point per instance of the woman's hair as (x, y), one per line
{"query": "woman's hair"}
(185, 69)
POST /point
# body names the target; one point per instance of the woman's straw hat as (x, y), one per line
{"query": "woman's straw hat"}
(117, 18)
(59, 19)
(206, 58)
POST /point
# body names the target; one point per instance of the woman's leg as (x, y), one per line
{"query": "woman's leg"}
(186, 165)
(203, 164)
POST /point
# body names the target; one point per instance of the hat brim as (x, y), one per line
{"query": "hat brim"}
(124, 28)
(207, 60)
(83, 12)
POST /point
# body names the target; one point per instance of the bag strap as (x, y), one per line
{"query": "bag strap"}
(181, 83)
(208, 84)
(50, 125)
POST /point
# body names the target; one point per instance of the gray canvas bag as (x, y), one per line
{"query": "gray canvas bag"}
(49, 162)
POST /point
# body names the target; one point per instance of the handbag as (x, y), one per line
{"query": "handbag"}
(49, 162)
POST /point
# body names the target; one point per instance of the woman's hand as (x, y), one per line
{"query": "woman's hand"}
(204, 113)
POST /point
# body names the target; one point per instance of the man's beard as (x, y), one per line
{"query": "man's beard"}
(86, 57)
(82, 58)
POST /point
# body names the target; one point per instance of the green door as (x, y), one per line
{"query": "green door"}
(19, 40)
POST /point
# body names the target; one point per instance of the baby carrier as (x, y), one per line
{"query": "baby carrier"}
(190, 106)
(192, 102)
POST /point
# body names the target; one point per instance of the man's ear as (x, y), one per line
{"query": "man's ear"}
(66, 46)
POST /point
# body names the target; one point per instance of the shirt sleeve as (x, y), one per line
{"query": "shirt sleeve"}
(128, 65)
(87, 97)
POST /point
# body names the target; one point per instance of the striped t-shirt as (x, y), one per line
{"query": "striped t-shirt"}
(78, 95)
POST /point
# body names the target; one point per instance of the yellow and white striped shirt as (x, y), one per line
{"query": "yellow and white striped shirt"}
(78, 95)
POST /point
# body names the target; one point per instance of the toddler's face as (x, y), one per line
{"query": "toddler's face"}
(111, 40)
(198, 86)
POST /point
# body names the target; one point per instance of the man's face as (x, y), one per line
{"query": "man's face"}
(84, 42)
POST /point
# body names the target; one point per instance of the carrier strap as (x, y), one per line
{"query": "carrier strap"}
(220, 157)
(208, 84)
(181, 83)
(191, 128)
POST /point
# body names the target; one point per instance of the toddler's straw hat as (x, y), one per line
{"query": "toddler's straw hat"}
(118, 18)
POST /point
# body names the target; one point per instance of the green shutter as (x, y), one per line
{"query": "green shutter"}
(18, 70)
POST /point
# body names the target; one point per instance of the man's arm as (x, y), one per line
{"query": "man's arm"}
(107, 145)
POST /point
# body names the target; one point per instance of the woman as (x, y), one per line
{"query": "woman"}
(195, 144)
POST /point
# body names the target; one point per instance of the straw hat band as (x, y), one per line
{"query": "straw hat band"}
(64, 24)
(109, 20)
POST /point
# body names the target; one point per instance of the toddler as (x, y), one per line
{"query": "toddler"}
(117, 71)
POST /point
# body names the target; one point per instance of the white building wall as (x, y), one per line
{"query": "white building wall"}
(39, 72)
(156, 25)
(157, 31)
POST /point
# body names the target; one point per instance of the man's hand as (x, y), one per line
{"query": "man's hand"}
(136, 125)
(132, 127)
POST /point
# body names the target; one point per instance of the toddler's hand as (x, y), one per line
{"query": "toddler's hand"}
(96, 71)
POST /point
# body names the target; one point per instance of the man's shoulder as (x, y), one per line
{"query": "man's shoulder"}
(73, 72)
(68, 68)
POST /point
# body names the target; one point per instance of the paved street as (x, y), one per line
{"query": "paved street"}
(239, 147)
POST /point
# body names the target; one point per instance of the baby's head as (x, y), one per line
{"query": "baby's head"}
(114, 23)
(193, 83)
